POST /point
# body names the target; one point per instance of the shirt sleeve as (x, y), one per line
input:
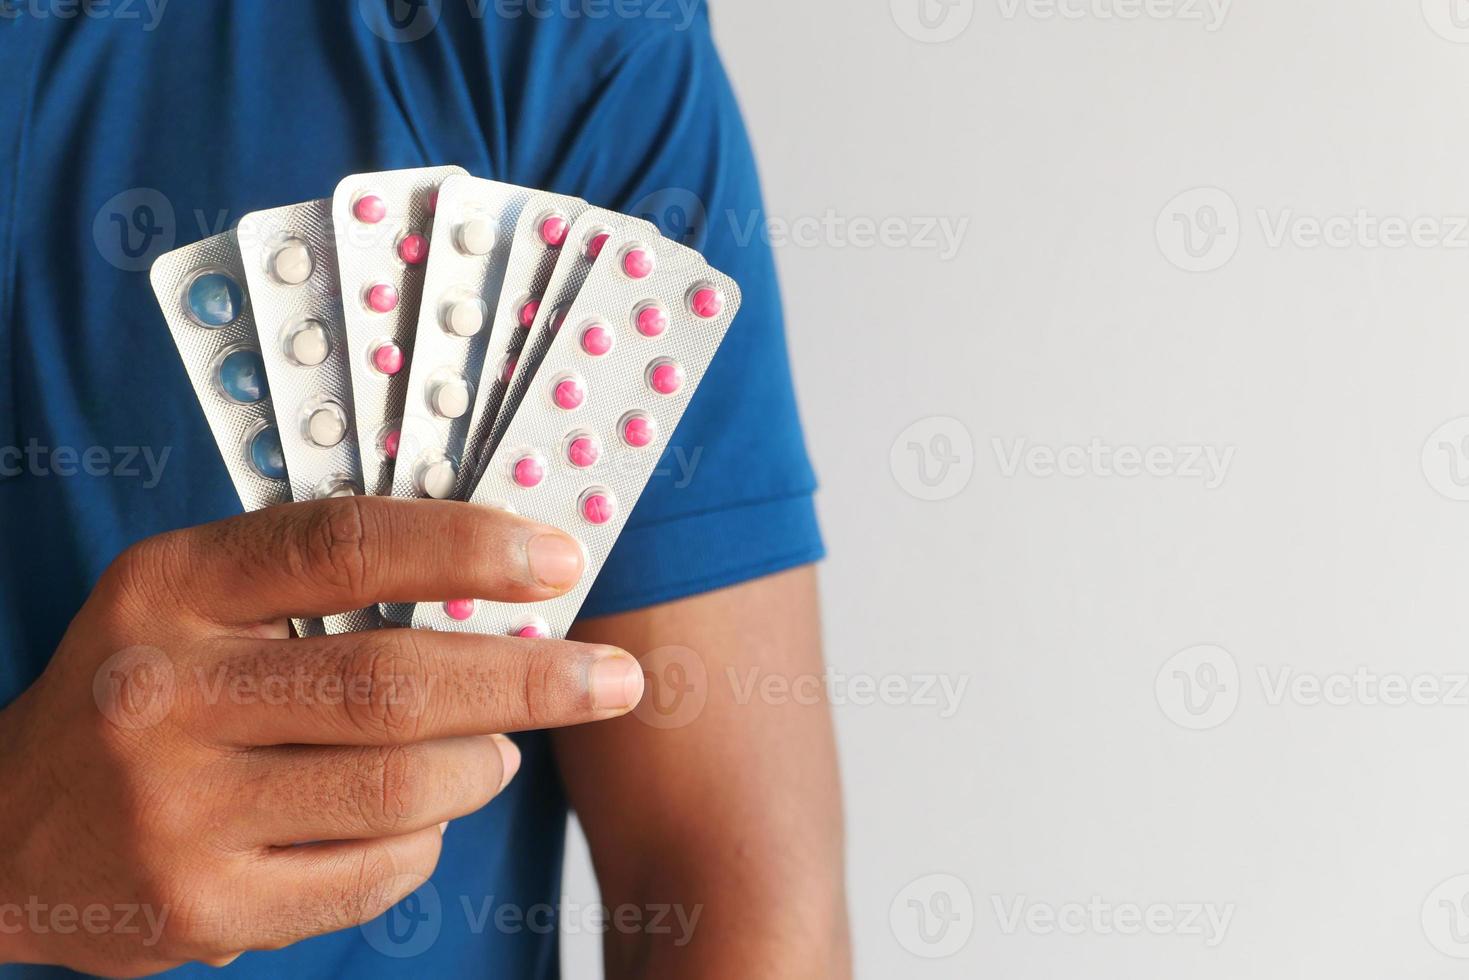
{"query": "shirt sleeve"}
(732, 498)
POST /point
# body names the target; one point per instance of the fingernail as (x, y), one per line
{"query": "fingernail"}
(555, 560)
(509, 760)
(615, 681)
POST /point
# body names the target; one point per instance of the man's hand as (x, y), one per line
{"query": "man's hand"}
(157, 774)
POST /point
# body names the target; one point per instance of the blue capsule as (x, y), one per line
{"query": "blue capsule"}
(266, 455)
(215, 300)
(242, 377)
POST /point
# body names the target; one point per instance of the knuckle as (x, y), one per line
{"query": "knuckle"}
(143, 576)
(336, 546)
(397, 784)
(544, 693)
(387, 683)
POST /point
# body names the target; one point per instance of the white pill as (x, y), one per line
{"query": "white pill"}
(466, 317)
(291, 263)
(476, 236)
(450, 399)
(326, 426)
(436, 478)
(307, 344)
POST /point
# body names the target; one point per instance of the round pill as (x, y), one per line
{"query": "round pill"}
(476, 236)
(665, 377)
(652, 320)
(532, 631)
(326, 426)
(594, 247)
(214, 300)
(370, 209)
(529, 472)
(382, 298)
(436, 478)
(390, 442)
(291, 263)
(582, 451)
(569, 394)
(553, 230)
(707, 302)
(266, 455)
(596, 340)
(466, 317)
(528, 311)
(597, 506)
(242, 377)
(459, 609)
(450, 399)
(307, 343)
(637, 263)
(637, 430)
(387, 358)
(413, 249)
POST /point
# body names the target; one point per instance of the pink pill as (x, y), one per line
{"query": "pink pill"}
(370, 209)
(433, 201)
(594, 247)
(459, 609)
(382, 298)
(390, 443)
(528, 311)
(583, 451)
(637, 431)
(553, 230)
(531, 632)
(508, 371)
(597, 507)
(596, 340)
(707, 302)
(413, 249)
(529, 472)
(569, 394)
(652, 320)
(638, 263)
(387, 357)
(665, 378)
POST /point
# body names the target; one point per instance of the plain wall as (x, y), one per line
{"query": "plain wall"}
(1206, 715)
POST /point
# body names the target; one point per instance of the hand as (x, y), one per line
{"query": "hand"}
(180, 741)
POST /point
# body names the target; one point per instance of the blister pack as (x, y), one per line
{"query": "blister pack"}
(201, 289)
(290, 261)
(383, 225)
(599, 413)
(584, 243)
(471, 248)
(540, 236)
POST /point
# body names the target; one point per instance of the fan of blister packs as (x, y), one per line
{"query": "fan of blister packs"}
(424, 333)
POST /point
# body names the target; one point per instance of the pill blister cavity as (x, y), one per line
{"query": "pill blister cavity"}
(553, 229)
(291, 262)
(214, 300)
(324, 423)
(596, 243)
(464, 314)
(665, 376)
(240, 375)
(526, 315)
(531, 629)
(651, 320)
(583, 450)
(369, 209)
(528, 471)
(263, 446)
(568, 392)
(449, 396)
(382, 298)
(389, 440)
(475, 236)
(637, 262)
(597, 506)
(306, 344)
(435, 477)
(337, 485)
(637, 430)
(706, 301)
(413, 249)
(387, 357)
(596, 339)
(459, 610)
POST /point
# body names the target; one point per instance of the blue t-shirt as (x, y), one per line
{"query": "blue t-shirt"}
(135, 126)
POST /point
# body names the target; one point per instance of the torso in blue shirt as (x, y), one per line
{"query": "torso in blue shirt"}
(127, 134)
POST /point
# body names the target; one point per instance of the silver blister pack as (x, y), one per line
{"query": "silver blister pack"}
(290, 260)
(383, 223)
(540, 236)
(583, 244)
(599, 414)
(470, 250)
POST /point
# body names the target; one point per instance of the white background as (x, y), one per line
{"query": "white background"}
(1083, 765)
